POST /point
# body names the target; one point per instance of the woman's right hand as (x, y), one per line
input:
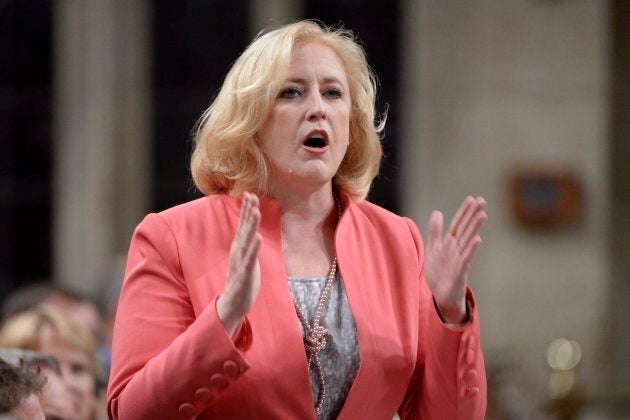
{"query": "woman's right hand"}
(243, 279)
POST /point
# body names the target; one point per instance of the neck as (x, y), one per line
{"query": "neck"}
(308, 231)
(314, 208)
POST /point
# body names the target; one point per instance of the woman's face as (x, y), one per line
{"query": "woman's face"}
(75, 370)
(305, 136)
(55, 398)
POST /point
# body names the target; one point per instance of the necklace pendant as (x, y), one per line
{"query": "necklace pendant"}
(315, 340)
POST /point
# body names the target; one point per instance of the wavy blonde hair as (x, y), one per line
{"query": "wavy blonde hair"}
(24, 329)
(226, 156)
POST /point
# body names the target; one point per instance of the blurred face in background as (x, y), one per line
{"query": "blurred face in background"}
(82, 312)
(76, 372)
(55, 399)
(28, 409)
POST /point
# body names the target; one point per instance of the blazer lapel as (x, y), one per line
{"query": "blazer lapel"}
(275, 311)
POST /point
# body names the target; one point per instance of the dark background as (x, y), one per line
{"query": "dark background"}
(194, 43)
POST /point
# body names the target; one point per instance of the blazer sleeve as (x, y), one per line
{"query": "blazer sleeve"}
(167, 362)
(449, 380)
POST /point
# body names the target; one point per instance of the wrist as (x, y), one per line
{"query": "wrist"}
(453, 315)
(230, 318)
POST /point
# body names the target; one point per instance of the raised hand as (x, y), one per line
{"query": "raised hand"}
(243, 279)
(448, 257)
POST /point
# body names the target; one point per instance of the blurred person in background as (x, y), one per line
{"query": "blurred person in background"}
(19, 387)
(48, 331)
(283, 293)
(54, 397)
(81, 309)
(94, 315)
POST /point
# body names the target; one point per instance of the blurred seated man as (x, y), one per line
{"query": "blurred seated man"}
(49, 332)
(19, 387)
(53, 398)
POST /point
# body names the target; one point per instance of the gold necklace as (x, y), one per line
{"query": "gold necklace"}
(316, 335)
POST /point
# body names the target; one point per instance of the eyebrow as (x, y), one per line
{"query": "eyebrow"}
(302, 81)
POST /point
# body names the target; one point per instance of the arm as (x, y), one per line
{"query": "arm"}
(449, 378)
(167, 362)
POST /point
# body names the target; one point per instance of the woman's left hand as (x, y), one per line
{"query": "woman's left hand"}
(448, 257)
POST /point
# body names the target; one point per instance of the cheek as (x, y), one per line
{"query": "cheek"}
(345, 117)
(87, 383)
(84, 382)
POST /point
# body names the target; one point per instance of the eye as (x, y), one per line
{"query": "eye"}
(333, 93)
(78, 369)
(290, 92)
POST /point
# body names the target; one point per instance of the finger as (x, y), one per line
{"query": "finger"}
(252, 252)
(434, 229)
(461, 212)
(244, 216)
(468, 216)
(244, 232)
(250, 228)
(469, 251)
(248, 206)
(473, 228)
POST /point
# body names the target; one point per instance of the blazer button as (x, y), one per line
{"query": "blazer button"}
(471, 341)
(218, 381)
(203, 395)
(231, 369)
(471, 392)
(470, 357)
(187, 410)
(470, 376)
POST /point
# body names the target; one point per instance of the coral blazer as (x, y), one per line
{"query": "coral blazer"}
(172, 357)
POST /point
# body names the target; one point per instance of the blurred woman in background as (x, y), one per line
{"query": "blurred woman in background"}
(49, 332)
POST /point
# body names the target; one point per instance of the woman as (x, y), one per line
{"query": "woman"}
(283, 293)
(51, 333)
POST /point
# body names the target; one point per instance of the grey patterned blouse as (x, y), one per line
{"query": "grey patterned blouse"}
(340, 359)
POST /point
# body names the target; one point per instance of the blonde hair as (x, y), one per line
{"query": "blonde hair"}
(24, 331)
(226, 156)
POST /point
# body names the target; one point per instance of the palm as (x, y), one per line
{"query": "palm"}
(243, 279)
(444, 272)
(448, 257)
(244, 275)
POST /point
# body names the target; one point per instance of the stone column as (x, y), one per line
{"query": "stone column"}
(102, 123)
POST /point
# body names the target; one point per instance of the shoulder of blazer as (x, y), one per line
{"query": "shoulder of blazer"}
(200, 205)
(212, 210)
(380, 217)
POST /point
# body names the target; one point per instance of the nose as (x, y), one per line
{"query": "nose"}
(316, 108)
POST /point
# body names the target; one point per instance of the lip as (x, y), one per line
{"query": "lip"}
(316, 133)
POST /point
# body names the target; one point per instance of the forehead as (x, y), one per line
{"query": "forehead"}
(315, 57)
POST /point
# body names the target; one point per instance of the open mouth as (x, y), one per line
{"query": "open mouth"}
(315, 142)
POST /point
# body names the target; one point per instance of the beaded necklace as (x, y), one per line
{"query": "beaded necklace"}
(315, 338)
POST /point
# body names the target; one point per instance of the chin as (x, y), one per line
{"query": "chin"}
(302, 179)
(318, 175)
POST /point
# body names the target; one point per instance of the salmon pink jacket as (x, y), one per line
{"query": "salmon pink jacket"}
(172, 357)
